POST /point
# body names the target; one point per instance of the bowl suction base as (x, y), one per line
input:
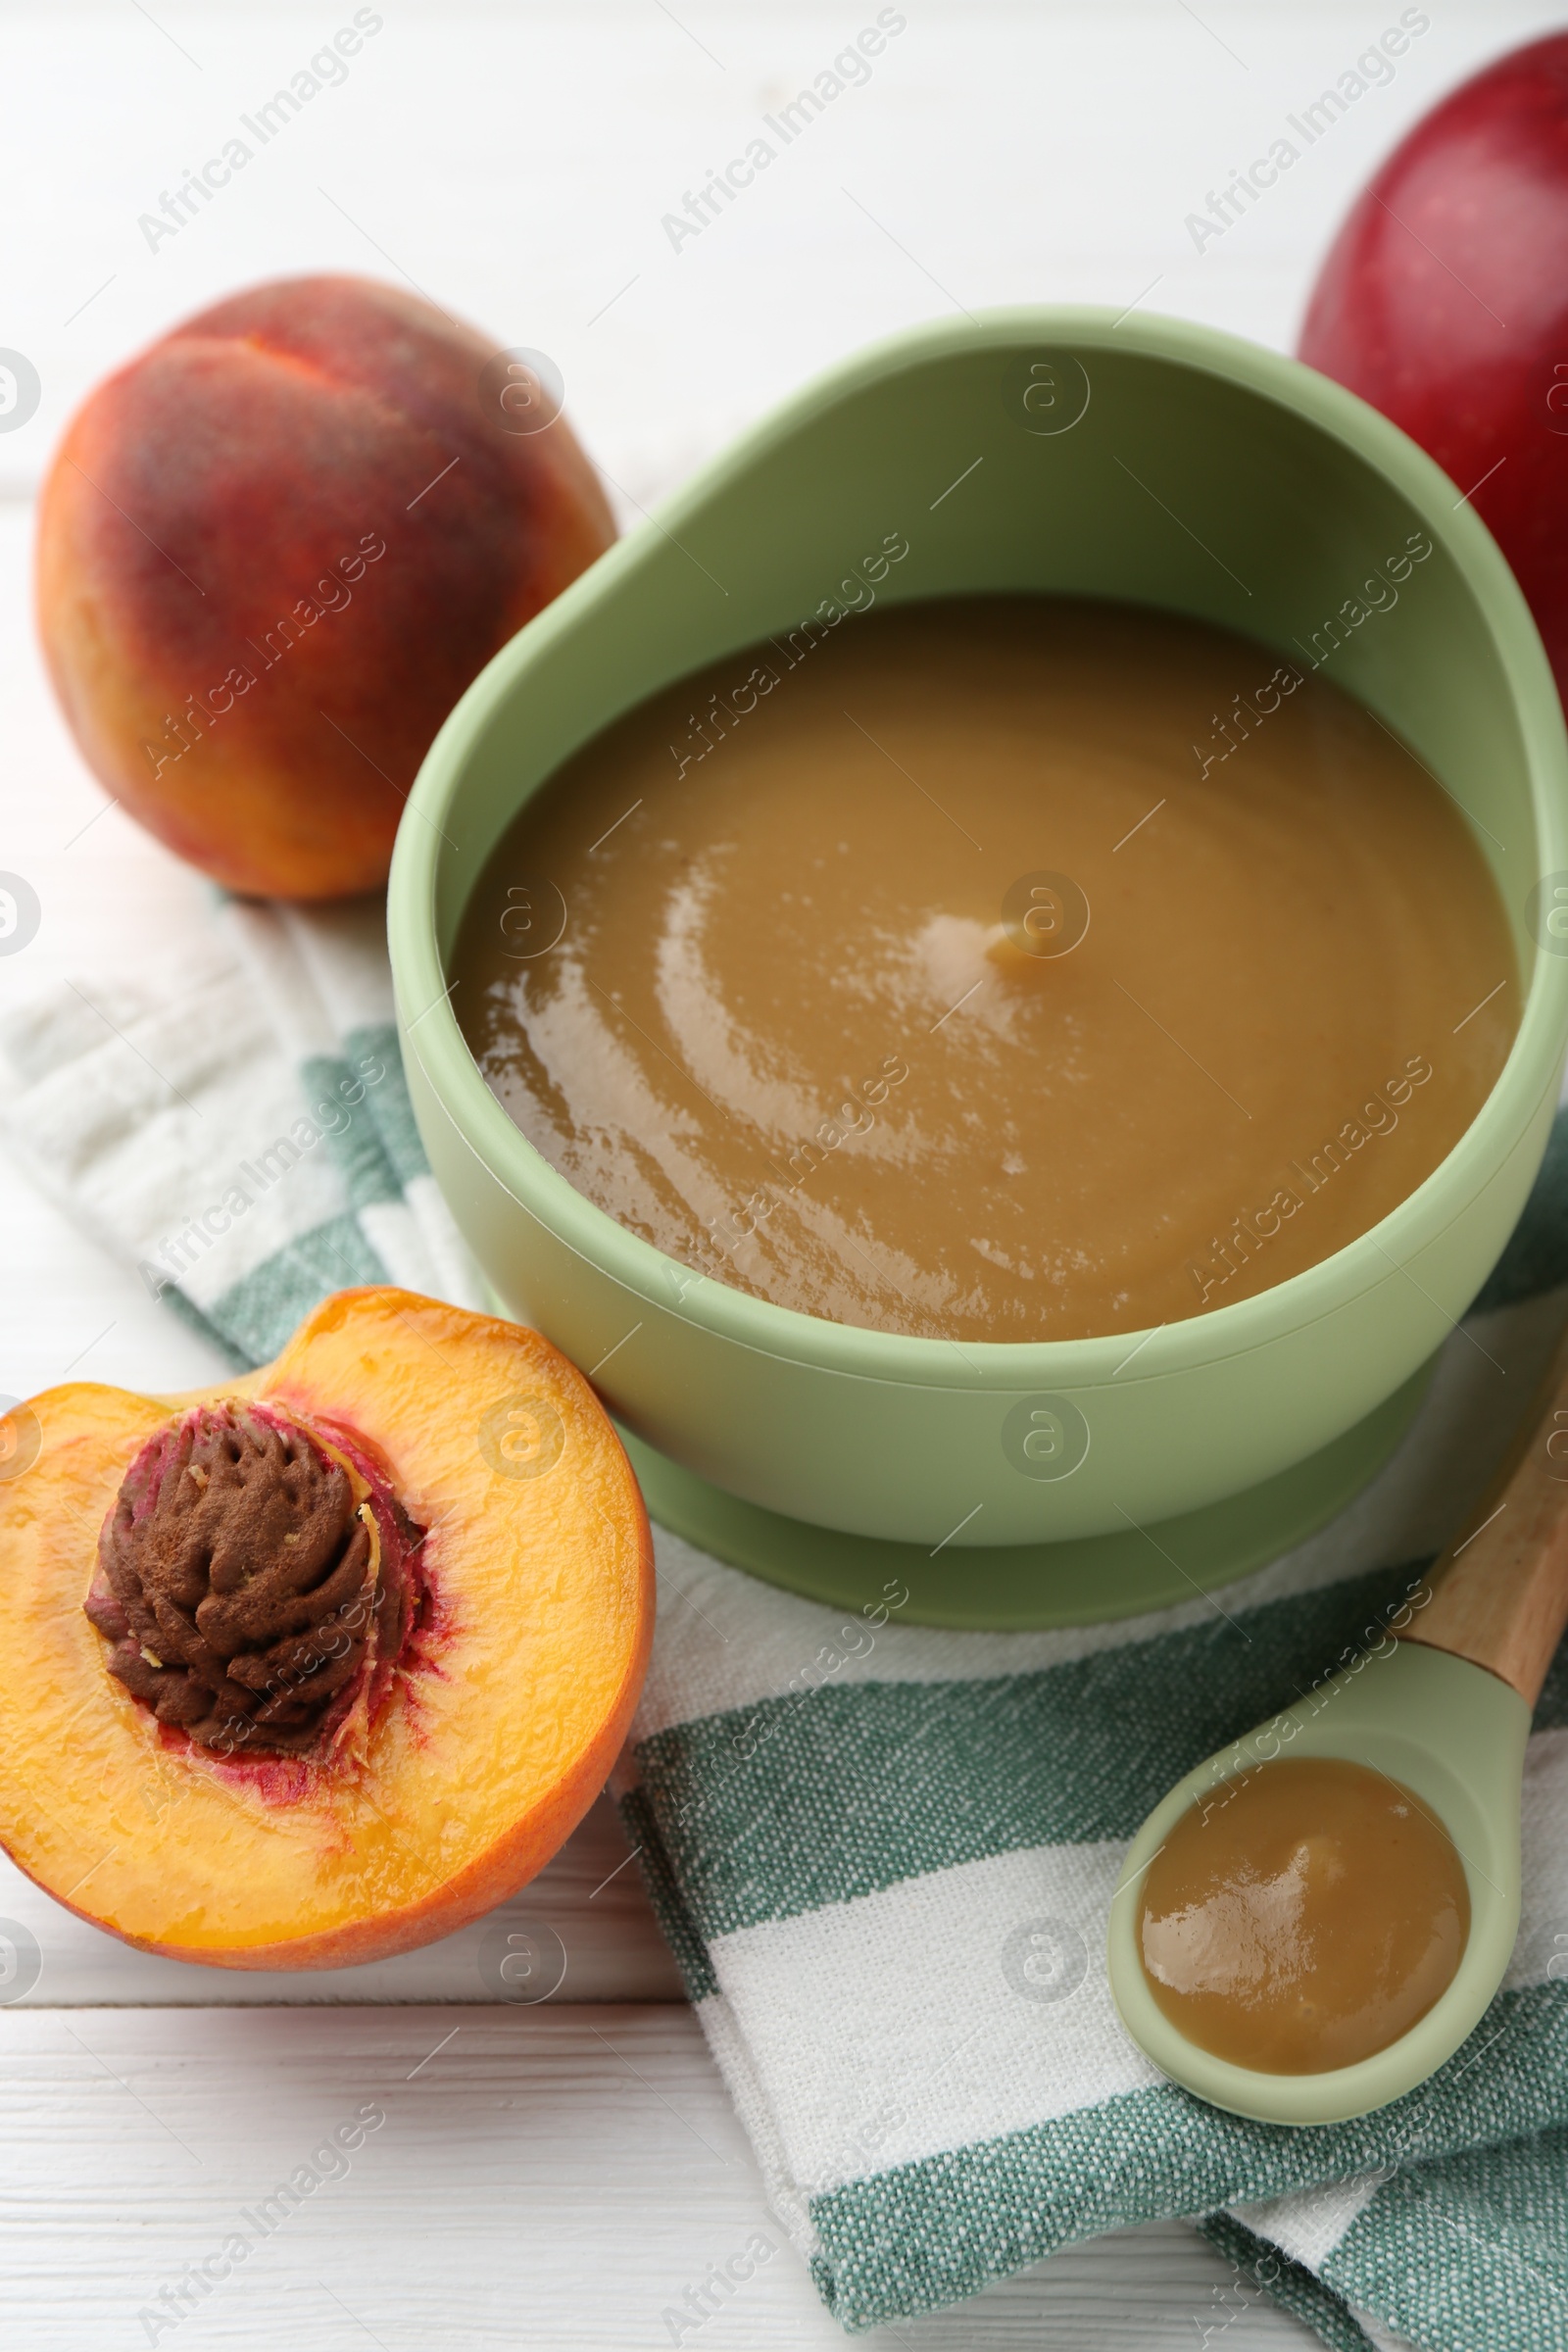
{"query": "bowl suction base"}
(999, 1587)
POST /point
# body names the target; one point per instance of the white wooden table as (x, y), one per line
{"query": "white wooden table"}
(558, 2174)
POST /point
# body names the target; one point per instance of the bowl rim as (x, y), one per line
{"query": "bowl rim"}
(429, 1031)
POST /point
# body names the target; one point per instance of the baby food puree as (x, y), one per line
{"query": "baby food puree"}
(1303, 1915)
(996, 967)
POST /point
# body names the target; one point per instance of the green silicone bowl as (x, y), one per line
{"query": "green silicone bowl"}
(1059, 450)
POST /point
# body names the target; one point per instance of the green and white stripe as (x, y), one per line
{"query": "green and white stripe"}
(852, 1833)
(235, 1121)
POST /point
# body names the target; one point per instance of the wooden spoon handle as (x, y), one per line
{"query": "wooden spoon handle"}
(1499, 1592)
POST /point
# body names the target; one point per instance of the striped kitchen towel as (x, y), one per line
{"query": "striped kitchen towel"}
(233, 1120)
(884, 1854)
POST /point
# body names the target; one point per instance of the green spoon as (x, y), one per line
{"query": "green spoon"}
(1444, 1705)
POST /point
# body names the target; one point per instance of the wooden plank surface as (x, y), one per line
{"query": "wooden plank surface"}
(540, 2177)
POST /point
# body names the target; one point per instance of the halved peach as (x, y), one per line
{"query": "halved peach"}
(316, 1666)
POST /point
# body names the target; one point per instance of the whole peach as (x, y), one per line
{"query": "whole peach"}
(274, 548)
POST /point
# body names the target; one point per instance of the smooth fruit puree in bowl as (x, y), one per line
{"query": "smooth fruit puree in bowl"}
(993, 967)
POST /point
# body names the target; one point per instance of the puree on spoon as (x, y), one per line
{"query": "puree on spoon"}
(1303, 1915)
(996, 967)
